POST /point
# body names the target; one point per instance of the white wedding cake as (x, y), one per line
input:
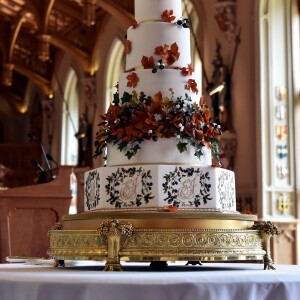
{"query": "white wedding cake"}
(157, 132)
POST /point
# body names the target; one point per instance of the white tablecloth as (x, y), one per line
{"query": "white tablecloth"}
(226, 281)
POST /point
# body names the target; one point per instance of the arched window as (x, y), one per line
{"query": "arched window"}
(115, 68)
(191, 12)
(70, 117)
(277, 107)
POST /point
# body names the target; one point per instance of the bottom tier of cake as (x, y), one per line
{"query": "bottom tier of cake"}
(160, 186)
(159, 236)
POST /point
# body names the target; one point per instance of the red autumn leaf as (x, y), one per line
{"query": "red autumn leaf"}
(247, 212)
(157, 104)
(148, 62)
(217, 165)
(173, 54)
(168, 54)
(170, 208)
(187, 71)
(132, 80)
(174, 49)
(112, 113)
(202, 100)
(161, 50)
(167, 16)
(128, 47)
(158, 97)
(134, 24)
(192, 85)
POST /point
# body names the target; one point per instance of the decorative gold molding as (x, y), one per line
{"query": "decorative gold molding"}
(182, 236)
(266, 231)
(116, 234)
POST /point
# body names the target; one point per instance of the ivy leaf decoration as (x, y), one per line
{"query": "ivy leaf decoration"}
(182, 146)
(116, 100)
(126, 98)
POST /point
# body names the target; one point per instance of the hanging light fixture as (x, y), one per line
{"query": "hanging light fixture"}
(7, 74)
(89, 11)
(44, 47)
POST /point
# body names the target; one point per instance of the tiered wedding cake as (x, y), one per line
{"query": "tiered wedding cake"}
(157, 132)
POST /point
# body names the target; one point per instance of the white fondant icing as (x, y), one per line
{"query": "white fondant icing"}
(146, 10)
(161, 81)
(147, 187)
(159, 175)
(164, 151)
(147, 36)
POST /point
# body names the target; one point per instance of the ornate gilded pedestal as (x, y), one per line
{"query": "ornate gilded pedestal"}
(159, 236)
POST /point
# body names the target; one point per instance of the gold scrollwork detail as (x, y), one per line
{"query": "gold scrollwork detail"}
(114, 227)
(79, 240)
(194, 240)
(57, 226)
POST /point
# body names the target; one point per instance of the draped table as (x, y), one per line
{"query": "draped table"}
(86, 281)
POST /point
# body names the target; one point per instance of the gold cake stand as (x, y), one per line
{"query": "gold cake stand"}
(160, 236)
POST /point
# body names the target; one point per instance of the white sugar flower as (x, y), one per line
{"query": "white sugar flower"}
(157, 117)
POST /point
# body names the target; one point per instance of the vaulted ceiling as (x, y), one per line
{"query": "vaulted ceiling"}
(32, 31)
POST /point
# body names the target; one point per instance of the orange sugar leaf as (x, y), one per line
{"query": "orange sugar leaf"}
(187, 71)
(174, 49)
(134, 24)
(133, 79)
(128, 46)
(161, 50)
(148, 62)
(170, 208)
(167, 16)
(192, 85)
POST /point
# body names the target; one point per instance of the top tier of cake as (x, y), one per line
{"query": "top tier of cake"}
(156, 27)
(151, 10)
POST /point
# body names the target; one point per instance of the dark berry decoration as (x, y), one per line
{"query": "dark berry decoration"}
(186, 21)
(155, 138)
(161, 66)
(154, 70)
